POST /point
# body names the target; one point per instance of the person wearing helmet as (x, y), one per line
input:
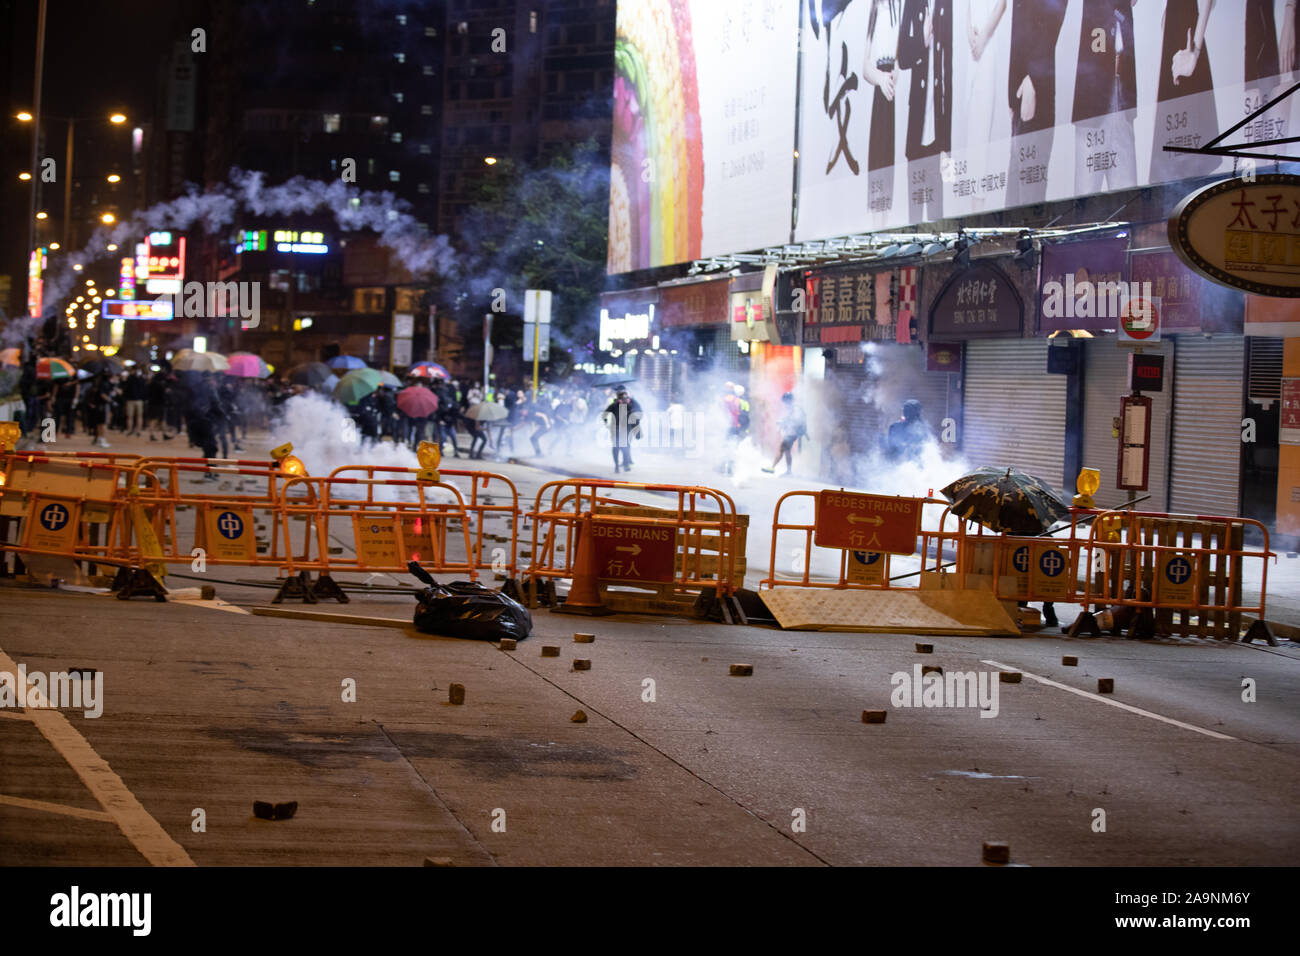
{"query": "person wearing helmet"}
(793, 425)
(623, 419)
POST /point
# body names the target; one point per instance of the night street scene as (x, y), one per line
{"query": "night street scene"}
(651, 434)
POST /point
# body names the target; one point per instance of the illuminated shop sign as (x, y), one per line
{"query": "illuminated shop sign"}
(291, 240)
(157, 311)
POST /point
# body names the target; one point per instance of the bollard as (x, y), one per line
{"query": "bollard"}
(1105, 685)
(925, 648)
(579, 718)
(742, 670)
(1009, 677)
(581, 664)
(550, 650)
(1070, 661)
(997, 853)
(584, 638)
(508, 644)
(873, 716)
(456, 694)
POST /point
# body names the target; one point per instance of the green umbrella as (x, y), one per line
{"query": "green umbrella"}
(356, 385)
(1007, 501)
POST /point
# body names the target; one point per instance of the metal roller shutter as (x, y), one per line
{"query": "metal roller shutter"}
(1205, 470)
(1014, 411)
(1105, 379)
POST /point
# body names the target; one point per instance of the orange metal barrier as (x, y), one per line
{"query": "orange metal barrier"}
(853, 571)
(482, 507)
(692, 547)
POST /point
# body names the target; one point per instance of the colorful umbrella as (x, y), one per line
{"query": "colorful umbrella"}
(247, 365)
(188, 360)
(427, 370)
(417, 401)
(54, 369)
(345, 363)
(313, 375)
(356, 385)
(11, 357)
(1007, 501)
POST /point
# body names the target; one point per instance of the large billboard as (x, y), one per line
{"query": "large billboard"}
(703, 143)
(910, 111)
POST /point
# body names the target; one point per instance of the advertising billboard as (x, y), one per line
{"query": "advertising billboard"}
(703, 142)
(912, 111)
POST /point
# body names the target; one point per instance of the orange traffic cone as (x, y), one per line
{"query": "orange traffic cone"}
(584, 596)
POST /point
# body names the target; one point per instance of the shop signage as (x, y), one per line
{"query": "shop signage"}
(977, 302)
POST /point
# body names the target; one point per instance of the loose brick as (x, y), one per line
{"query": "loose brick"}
(456, 693)
(508, 644)
(581, 664)
(579, 718)
(925, 648)
(997, 853)
(742, 670)
(931, 669)
(1105, 685)
(1009, 677)
(584, 638)
(873, 716)
(550, 650)
(1070, 661)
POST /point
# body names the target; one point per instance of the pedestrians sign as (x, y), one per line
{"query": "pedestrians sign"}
(54, 527)
(866, 567)
(229, 533)
(1176, 579)
(626, 551)
(1049, 577)
(857, 522)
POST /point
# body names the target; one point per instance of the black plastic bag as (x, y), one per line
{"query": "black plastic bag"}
(470, 610)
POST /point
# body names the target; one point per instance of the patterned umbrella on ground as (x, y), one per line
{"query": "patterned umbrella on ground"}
(427, 370)
(313, 375)
(345, 363)
(356, 385)
(247, 365)
(11, 357)
(417, 401)
(53, 369)
(188, 360)
(1006, 501)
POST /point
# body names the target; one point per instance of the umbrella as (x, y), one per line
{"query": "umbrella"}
(188, 360)
(102, 364)
(54, 368)
(356, 385)
(417, 401)
(11, 357)
(313, 375)
(247, 365)
(1006, 500)
(428, 370)
(389, 379)
(345, 363)
(486, 412)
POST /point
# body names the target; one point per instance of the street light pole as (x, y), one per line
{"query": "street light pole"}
(36, 126)
(67, 189)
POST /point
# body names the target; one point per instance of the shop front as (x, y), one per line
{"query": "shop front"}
(629, 339)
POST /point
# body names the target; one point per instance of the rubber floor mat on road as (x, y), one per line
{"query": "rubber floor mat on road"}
(972, 612)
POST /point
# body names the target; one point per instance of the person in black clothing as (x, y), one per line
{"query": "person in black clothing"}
(65, 400)
(201, 414)
(623, 418)
(1031, 95)
(908, 436)
(536, 411)
(98, 402)
(157, 404)
(925, 48)
(448, 415)
(386, 410)
(27, 388)
(134, 392)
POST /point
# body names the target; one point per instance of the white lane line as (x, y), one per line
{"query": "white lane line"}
(144, 832)
(15, 714)
(62, 808)
(1113, 703)
(216, 604)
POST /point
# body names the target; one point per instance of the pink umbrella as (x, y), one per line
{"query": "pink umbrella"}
(417, 401)
(247, 365)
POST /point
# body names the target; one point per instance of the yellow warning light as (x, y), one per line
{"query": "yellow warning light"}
(1109, 527)
(282, 451)
(292, 465)
(430, 455)
(1088, 482)
(428, 474)
(10, 432)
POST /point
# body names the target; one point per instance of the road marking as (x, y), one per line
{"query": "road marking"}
(144, 832)
(62, 808)
(15, 714)
(1113, 703)
(215, 604)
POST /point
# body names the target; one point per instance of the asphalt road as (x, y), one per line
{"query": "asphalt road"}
(208, 708)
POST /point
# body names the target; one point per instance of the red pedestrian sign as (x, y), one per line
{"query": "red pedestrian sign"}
(882, 523)
(626, 551)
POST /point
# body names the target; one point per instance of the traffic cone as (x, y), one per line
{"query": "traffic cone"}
(584, 596)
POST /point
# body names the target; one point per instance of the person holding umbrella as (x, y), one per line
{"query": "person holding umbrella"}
(417, 405)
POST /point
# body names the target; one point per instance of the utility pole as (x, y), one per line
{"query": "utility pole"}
(36, 128)
(67, 189)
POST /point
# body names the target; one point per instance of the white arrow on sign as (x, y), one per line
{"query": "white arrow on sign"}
(876, 520)
(635, 549)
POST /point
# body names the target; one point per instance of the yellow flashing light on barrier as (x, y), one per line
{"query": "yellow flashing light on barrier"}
(1108, 528)
(430, 455)
(290, 464)
(10, 432)
(428, 474)
(1086, 484)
